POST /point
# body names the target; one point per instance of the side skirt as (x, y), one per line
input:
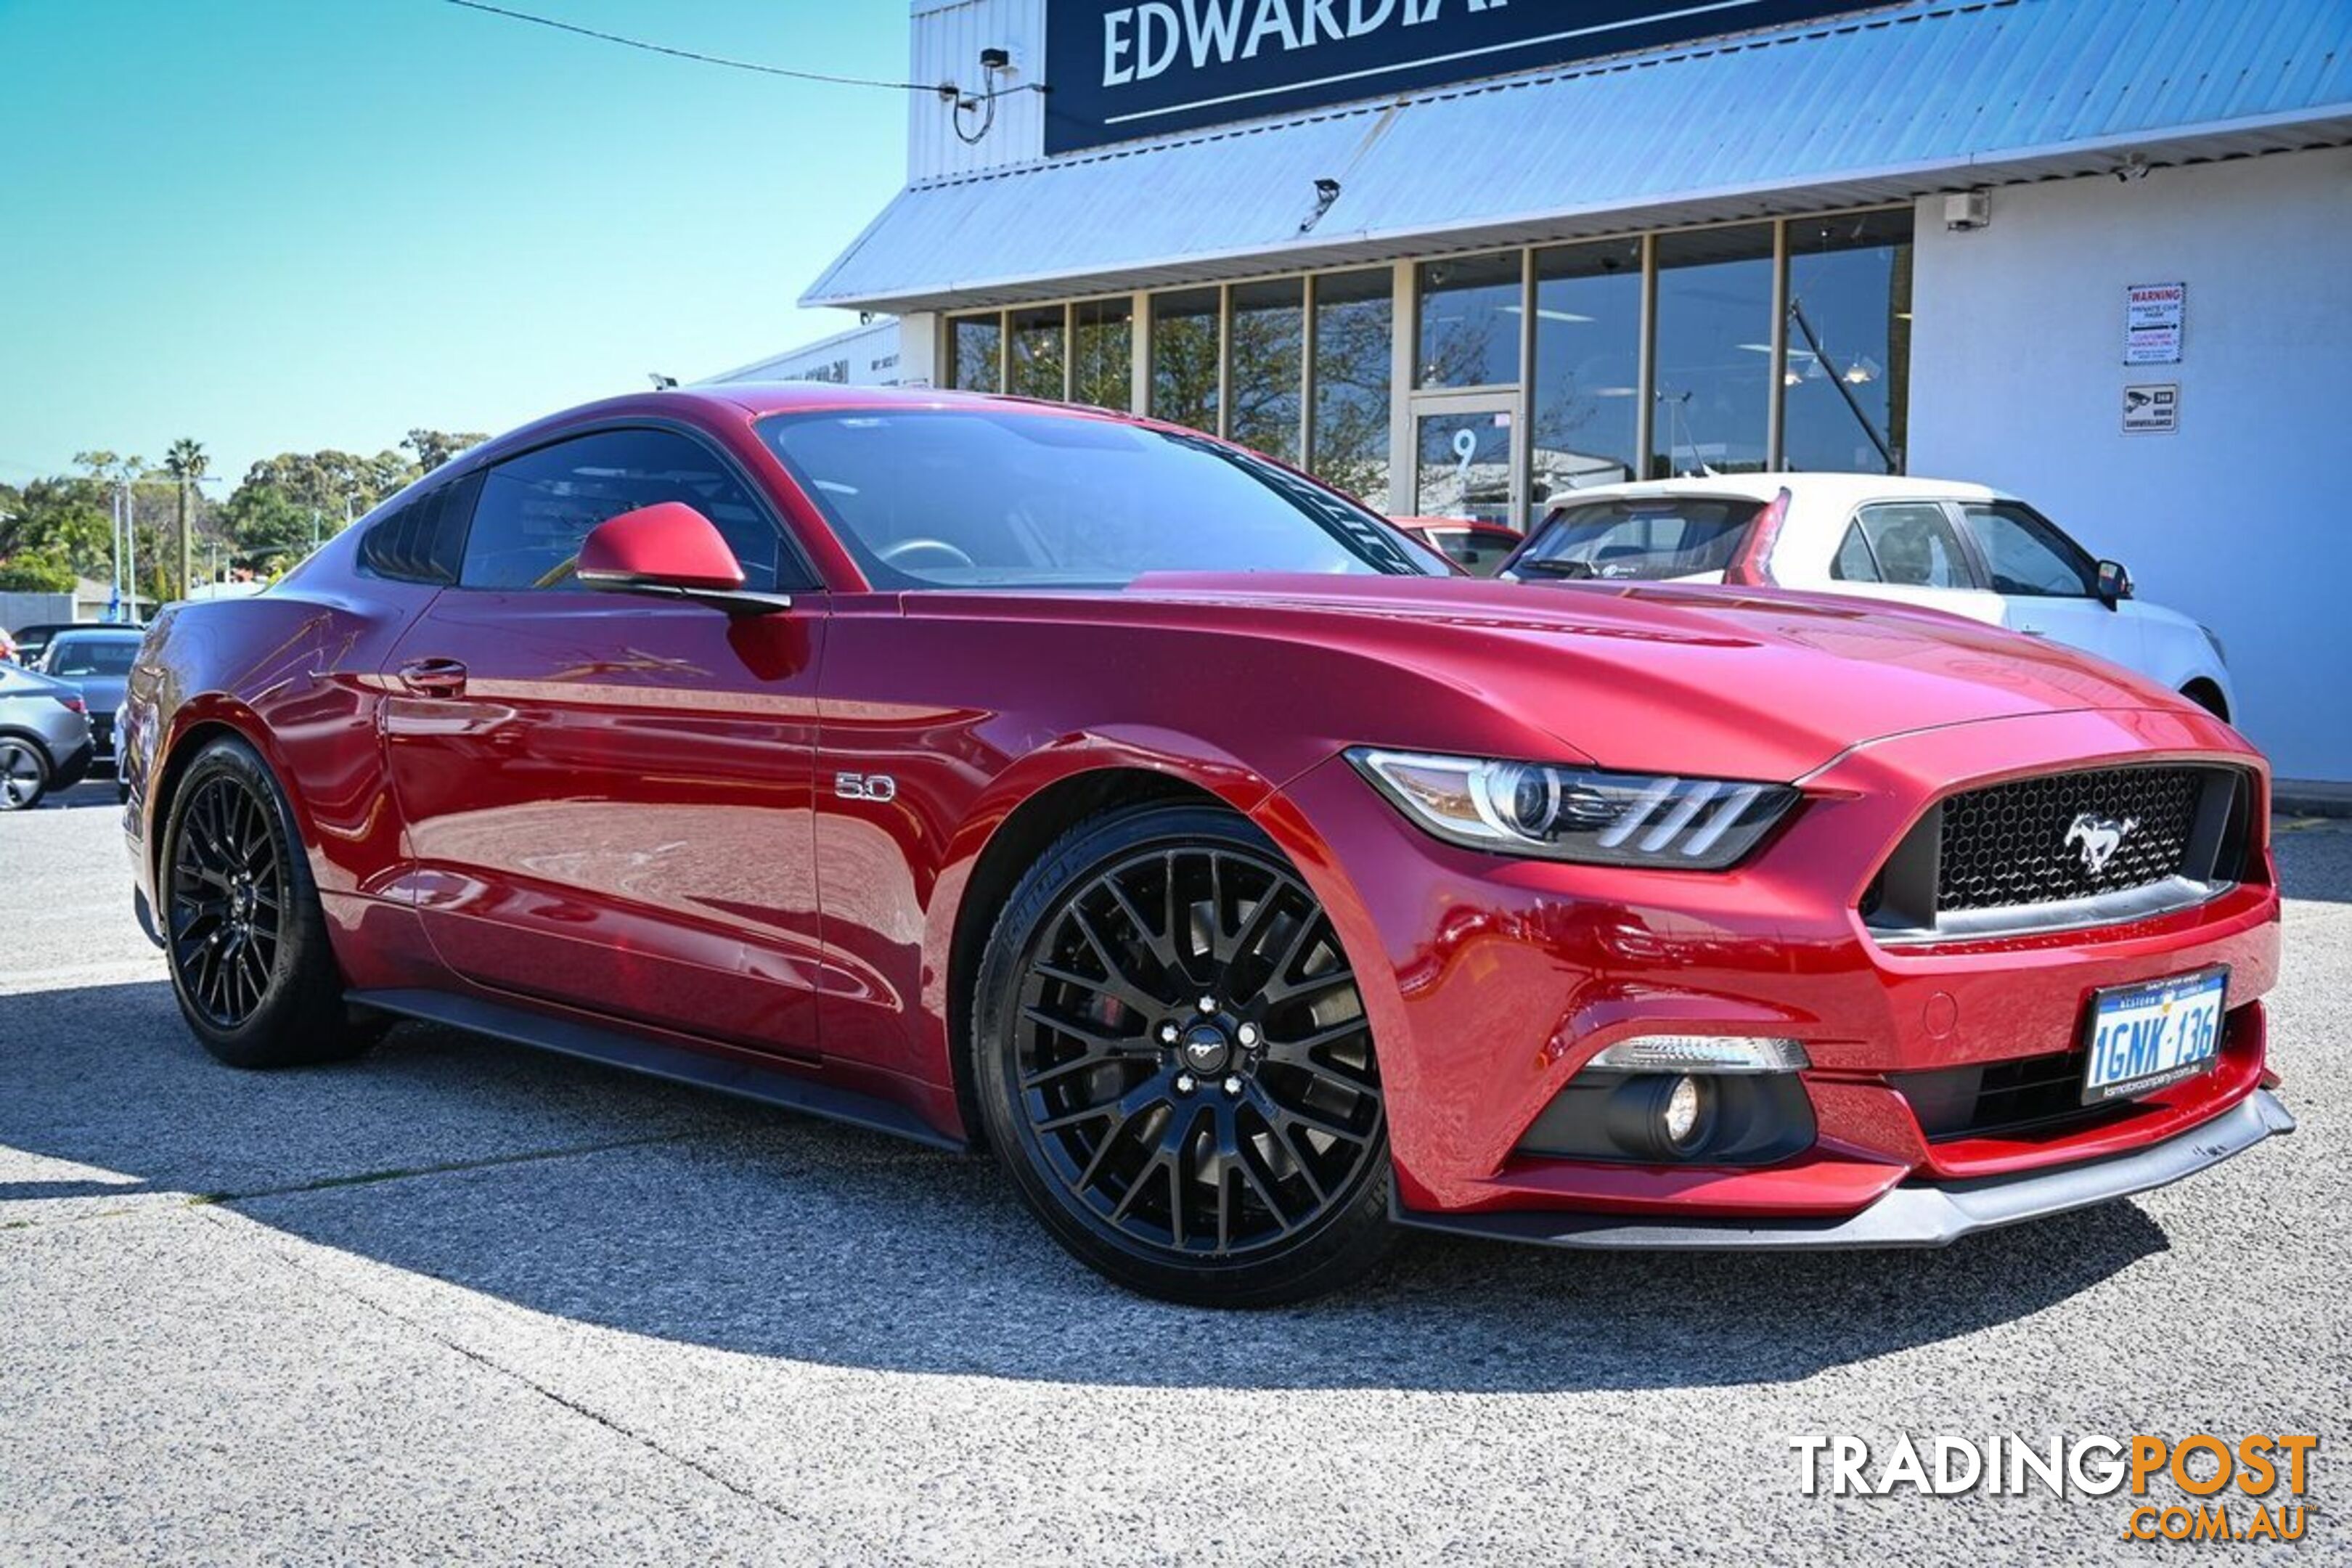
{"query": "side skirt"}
(748, 1081)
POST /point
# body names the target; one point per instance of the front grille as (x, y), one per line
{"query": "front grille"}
(2034, 841)
(2090, 847)
(102, 733)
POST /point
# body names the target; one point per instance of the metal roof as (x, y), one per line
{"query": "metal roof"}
(1881, 107)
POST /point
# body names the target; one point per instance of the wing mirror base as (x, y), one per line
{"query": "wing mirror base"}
(734, 601)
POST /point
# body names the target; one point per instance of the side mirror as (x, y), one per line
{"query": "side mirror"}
(2114, 583)
(668, 550)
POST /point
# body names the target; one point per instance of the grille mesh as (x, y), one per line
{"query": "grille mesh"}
(2007, 845)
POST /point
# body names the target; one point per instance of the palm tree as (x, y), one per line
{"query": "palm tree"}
(186, 462)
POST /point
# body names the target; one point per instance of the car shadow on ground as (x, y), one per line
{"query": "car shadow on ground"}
(584, 1193)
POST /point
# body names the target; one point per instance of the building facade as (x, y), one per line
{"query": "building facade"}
(1461, 256)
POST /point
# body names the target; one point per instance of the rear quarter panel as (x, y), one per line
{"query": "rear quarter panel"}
(295, 673)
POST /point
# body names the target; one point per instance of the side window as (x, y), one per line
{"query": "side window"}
(536, 508)
(1853, 563)
(2027, 553)
(1913, 546)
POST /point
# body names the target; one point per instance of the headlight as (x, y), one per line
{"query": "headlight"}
(1578, 813)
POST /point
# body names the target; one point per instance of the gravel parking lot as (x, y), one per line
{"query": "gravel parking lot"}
(463, 1299)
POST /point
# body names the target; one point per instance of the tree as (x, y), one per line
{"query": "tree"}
(186, 463)
(434, 447)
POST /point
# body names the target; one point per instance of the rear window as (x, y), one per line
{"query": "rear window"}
(91, 655)
(1676, 536)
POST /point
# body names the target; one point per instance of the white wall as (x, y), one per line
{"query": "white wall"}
(2243, 518)
(947, 35)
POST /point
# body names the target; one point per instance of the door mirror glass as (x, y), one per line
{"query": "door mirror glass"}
(2114, 583)
(668, 546)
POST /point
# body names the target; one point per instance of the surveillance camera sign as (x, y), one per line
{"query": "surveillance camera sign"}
(2152, 410)
(2154, 316)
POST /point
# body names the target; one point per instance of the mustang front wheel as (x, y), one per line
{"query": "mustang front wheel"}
(1175, 1063)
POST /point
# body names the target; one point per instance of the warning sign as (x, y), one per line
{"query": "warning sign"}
(2153, 410)
(2154, 316)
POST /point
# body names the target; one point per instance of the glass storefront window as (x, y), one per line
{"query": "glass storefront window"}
(1102, 355)
(1267, 335)
(1036, 358)
(1714, 373)
(1587, 396)
(1354, 324)
(973, 343)
(1470, 321)
(1184, 358)
(1848, 382)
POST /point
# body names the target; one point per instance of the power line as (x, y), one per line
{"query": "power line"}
(692, 55)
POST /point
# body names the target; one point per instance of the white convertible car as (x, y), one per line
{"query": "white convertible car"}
(1964, 548)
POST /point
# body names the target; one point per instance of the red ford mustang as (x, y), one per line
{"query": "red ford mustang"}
(983, 770)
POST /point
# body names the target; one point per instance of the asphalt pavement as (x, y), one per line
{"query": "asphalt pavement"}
(459, 1301)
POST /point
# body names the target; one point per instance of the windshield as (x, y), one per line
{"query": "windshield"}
(91, 655)
(997, 498)
(1652, 536)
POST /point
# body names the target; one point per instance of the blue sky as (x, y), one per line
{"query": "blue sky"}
(285, 224)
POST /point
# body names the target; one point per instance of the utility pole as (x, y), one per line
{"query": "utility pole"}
(129, 543)
(187, 542)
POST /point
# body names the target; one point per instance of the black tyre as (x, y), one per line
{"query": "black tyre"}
(1174, 1064)
(246, 939)
(24, 774)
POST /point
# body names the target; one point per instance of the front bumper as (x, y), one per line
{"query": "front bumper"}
(1909, 1216)
(1492, 982)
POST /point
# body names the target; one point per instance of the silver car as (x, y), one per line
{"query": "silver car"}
(45, 741)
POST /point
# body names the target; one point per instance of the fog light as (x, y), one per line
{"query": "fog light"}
(1687, 1115)
(1679, 1119)
(1703, 1052)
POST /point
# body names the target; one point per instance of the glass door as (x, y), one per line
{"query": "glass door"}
(1468, 460)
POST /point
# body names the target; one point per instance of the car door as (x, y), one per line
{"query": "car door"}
(2048, 584)
(1910, 552)
(608, 798)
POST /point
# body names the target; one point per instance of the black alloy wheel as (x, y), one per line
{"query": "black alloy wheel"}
(1188, 1088)
(24, 774)
(250, 959)
(227, 904)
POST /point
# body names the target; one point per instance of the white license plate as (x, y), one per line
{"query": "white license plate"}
(2145, 1036)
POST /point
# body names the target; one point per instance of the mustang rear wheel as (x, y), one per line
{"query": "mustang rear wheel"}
(1175, 1064)
(248, 945)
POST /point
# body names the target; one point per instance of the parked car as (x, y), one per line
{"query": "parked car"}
(44, 737)
(97, 660)
(32, 640)
(1478, 548)
(1959, 548)
(1168, 824)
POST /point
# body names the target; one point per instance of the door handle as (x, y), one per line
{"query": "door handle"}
(434, 676)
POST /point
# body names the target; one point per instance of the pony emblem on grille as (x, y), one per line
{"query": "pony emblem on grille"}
(2100, 837)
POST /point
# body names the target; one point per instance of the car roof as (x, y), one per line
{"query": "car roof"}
(85, 630)
(1838, 490)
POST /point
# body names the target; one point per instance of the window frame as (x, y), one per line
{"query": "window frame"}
(795, 571)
